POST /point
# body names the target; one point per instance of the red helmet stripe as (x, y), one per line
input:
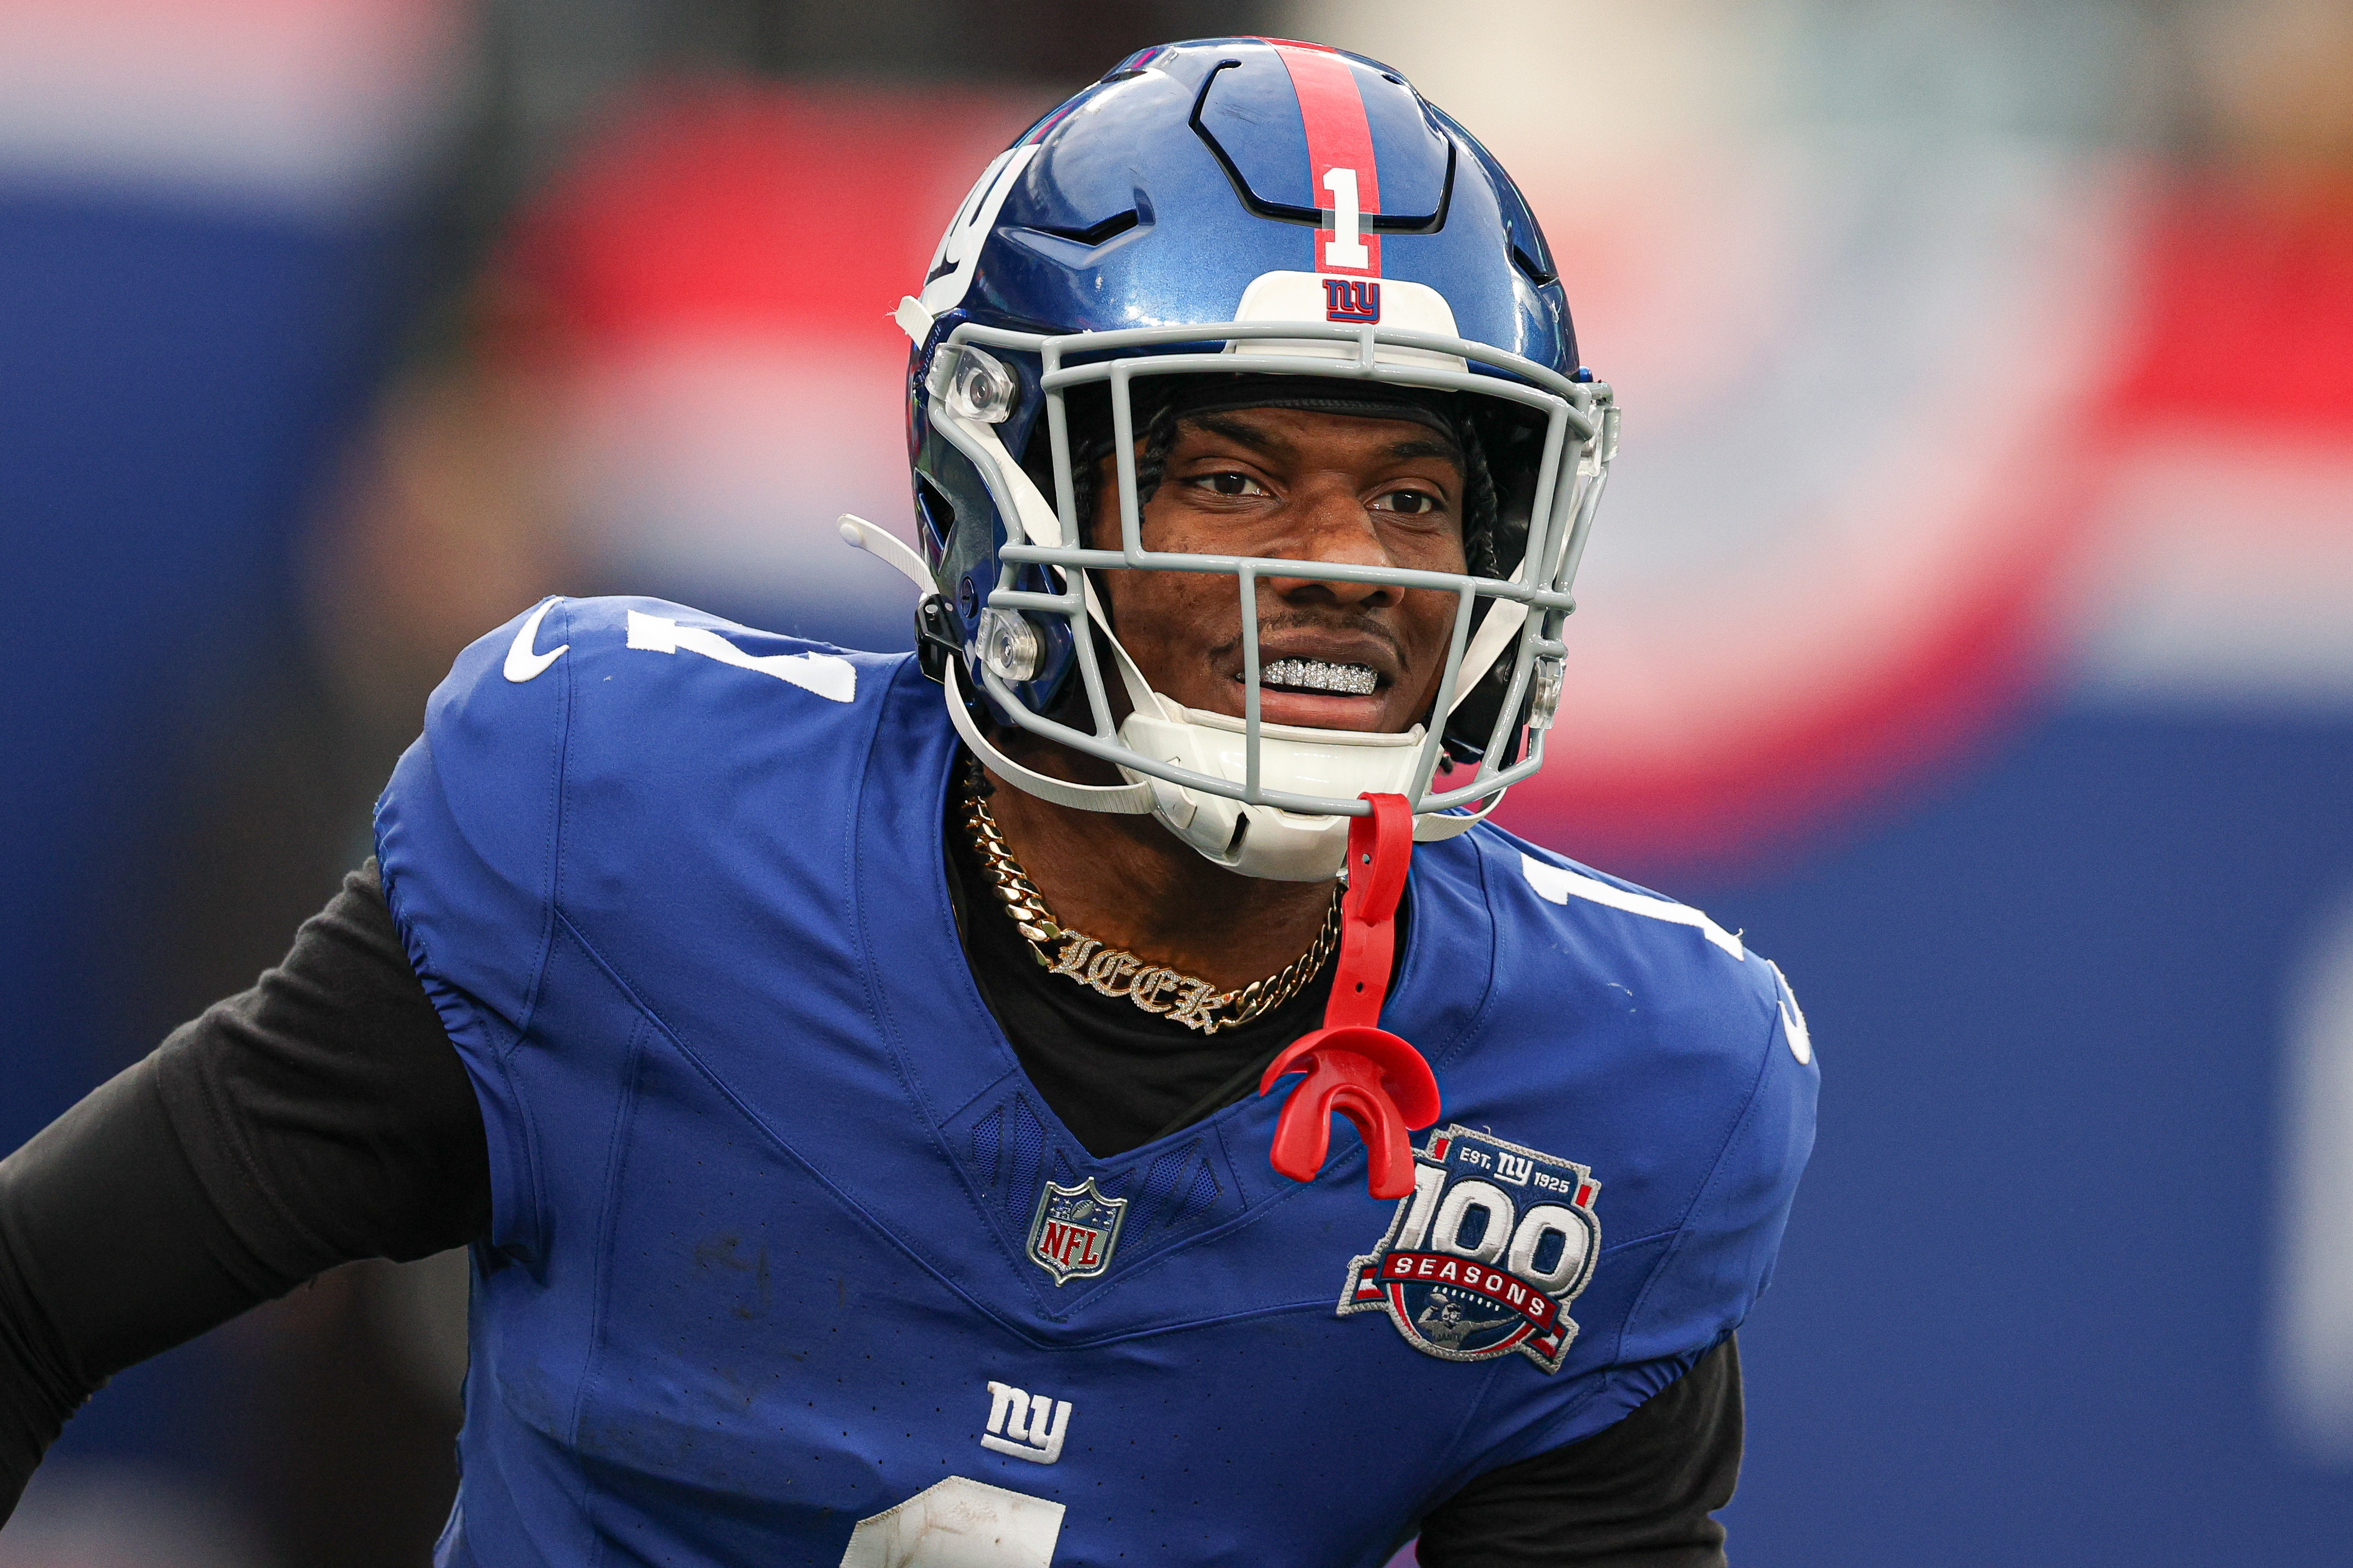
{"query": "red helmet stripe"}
(1338, 137)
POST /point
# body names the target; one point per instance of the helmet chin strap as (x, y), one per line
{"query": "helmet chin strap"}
(1126, 800)
(1122, 800)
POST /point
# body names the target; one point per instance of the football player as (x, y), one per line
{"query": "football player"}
(703, 973)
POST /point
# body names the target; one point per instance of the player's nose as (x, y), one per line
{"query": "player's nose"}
(1328, 523)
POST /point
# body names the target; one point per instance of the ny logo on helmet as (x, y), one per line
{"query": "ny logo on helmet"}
(1352, 299)
(1485, 1254)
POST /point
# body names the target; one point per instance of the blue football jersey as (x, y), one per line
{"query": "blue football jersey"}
(790, 1265)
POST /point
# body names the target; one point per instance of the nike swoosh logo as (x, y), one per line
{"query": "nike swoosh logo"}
(522, 663)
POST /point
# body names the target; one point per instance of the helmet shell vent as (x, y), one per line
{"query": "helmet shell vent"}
(1249, 115)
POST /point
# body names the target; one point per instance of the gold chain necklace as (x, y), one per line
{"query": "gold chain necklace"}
(1167, 993)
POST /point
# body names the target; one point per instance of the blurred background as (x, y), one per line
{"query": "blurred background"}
(1971, 622)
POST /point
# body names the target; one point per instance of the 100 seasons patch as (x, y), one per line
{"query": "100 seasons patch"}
(1484, 1256)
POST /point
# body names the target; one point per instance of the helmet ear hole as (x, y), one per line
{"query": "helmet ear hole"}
(935, 511)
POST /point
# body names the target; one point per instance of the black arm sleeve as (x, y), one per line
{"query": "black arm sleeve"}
(1635, 1495)
(322, 1116)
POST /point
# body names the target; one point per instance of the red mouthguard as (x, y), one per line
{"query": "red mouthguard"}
(1355, 1068)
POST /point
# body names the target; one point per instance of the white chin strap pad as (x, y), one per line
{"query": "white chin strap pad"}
(1263, 840)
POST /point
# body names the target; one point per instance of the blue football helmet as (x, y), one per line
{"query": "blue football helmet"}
(1233, 222)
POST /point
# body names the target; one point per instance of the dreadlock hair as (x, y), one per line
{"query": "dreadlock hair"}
(1158, 436)
(1479, 510)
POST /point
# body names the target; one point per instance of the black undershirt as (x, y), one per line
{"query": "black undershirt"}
(323, 1117)
(1117, 1076)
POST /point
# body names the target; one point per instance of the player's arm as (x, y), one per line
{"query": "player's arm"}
(321, 1117)
(1638, 1494)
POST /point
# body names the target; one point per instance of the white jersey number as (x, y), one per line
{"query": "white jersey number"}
(1347, 247)
(959, 1523)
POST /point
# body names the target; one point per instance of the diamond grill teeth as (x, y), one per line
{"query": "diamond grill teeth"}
(1315, 674)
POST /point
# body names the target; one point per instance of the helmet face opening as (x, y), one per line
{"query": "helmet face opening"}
(1225, 224)
(1162, 404)
(1507, 621)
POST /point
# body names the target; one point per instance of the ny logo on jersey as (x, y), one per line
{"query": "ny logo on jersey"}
(1469, 1271)
(1074, 1230)
(1024, 1425)
(1351, 300)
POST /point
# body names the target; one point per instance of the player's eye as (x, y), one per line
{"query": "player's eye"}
(1408, 503)
(1227, 483)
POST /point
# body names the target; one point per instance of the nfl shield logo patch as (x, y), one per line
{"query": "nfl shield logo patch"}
(1074, 1230)
(1484, 1256)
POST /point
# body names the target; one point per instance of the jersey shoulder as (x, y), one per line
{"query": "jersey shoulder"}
(585, 666)
(637, 685)
(1639, 1038)
(1563, 925)
(558, 739)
